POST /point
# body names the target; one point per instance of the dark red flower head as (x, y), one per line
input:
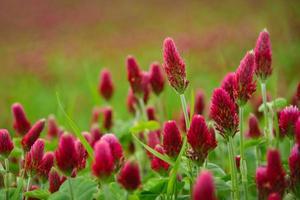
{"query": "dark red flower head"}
(151, 113)
(287, 121)
(81, 155)
(33, 134)
(174, 66)
(274, 196)
(103, 163)
(254, 131)
(200, 138)
(106, 86)
(66, 155)
(45, 165)
(153, 140)
(115, 146)
(204, 187)
(298, 91)
(129, 176)
(199, 102)
(134, 76)
(157, 79)
(172, 140)
(294, 165)
(21, 124)
(297, 131)
(36, 153)
(271, 178)
(244, 77)
(6, 144)
(55, 180)
(223, 112)
(53, 129)
(263, 55)
(230, 85)
(107, 118)
(95, 133)
(158, 164)
(131, 102)
(95, 115)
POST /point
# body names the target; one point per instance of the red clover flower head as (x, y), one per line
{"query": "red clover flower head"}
(204, 187)
(6, 144)
(21, 124)
(157, 79)
(106, 86)
(172, 140)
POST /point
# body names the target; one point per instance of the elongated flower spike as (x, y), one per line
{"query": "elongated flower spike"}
(271, 178)
(244, 77)
(223, 112)
(151, 113)
(55, 180)
(33, 134)
(294, 165)
(95, 133)
(157, 79)
(95, 115)
(129, 176)
(201, 139)
(66, 155)
(153, 140)
(21, 124)
(230, 85)
(107, 118)
(172, 140)
(45, 165)
(204, 187)
(158, 164)
(263, 56)
(53, 128)
(37, 153)
(174, 66)
(115, 146)
(131, 102)
(254, 131)
(287, 121)
(199, 102)
(297, 131)
(274, 196)
(134, 76)
(106, 86)
(103, 163)
(6, 144)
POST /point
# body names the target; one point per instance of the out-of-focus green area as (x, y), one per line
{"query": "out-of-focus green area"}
(60, 46)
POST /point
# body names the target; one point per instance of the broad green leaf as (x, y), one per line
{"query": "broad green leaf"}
(143, 126)
(216, 169)
(155, 153)
(83, 188)
(76, 129)
(39, 194)
(279, 103)
(254, 142)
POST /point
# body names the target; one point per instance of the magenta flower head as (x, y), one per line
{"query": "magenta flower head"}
(66, 155)
(95, 115)
(230, 85)
(153, 140)
(172, 140)
(294, 165)
(223, 112)
(37, 152)
(129, 176)
(115, 146)
(174, 66)
(6, 144)
(21, 124)
(274, 196)
(151, 113)
(204, 187)
(134, 76)
(45, 165)
(271, 178)
(263, 56)
(201, 139)
(95, 133)
(55, 180)
(146, 87)
(106, 86)
(158, 164)
(103, 163)
(244, 77)
(131, 102)
(199, 102)
(297, 131)
(287, 121)
(254, 131)
(33, 134)
(53, 129)
(107, 118)
(157, 79)
(81, 155)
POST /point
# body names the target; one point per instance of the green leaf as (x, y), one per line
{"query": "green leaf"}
(143, 126)
(39, 194)
(279, 103)
(254, 142)
(216, 169)
(83, 188)
(76, 129)
(155, 153)
(17, 193)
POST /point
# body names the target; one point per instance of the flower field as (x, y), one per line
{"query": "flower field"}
(152, 133)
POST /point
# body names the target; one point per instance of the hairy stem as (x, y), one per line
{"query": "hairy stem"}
(234, 185)
(264, 98)
(6, 178)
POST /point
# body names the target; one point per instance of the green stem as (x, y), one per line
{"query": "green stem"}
(6, 178)
(234, 185)
(71, 189)
(264, 98)
(242, 153)
(185, 111)
(28, 185)
(143, 109)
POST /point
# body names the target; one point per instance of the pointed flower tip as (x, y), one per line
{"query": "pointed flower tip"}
(33, 134)
(20, 122)
(134, 75)
(6, 144)
(172, 140)
(156, 78)
(106, 86)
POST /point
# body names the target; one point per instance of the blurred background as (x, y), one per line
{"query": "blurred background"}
(61, 46)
